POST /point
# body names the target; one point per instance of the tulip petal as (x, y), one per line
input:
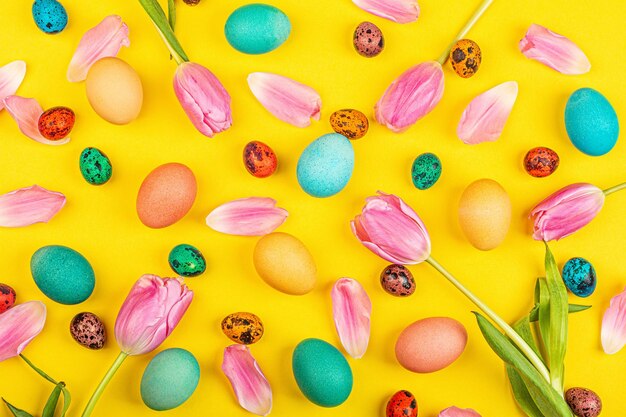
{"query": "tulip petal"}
(26, 112)
(28, 206)
(288, 100)
(458, 412)
(554, 50)
(104, 40)
(400, 11)
(613, 334)
(254, 216)
(251, 388)
(484, 118)
(11, 76)
(352, 309)
(18, 326)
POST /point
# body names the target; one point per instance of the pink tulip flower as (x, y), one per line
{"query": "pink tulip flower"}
(26, 112)
(254, 216)
(392, 230)
(18, 326)
(352, 309)
(566, 211)
(613, 333)
(11, 77)
(458, 412)
(28, 206)
(251, 388)
(400, 11)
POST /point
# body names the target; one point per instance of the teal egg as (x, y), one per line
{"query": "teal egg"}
(95, 166)
(321, 372)
(49, 15)
(579, 276)
(187, 261)
(591, 122)
(257, 28)
(426, 171)
(62, 274)
(326, 165)
(170, 379)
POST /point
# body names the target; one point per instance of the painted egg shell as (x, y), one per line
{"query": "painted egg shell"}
(95, 166)
(257, 28)
(583, 402)
(326, 165)
(322, 373)
(580, 277)
(88, 330)
(425, 171)
(170, 379)
(7, 297)
(56, 123)
(244, 328)
(285, 263)
(187, 260)
(402, 404)
(541, 162)
(431, 344)
(349, 122)
(166, 195)
(49, 15)
(591, 122)
(259, 159)
(62, 274)
(192, 2)
(397, 280)
(368, 40)
(465, 58)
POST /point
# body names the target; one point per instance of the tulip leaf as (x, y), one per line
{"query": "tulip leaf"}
(572, 308)
(171, 14)
(157, 15)
(521, 394)
(16, 411)
(67, 399)
(53, 400)
(522, 327)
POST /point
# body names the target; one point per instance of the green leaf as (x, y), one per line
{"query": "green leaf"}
(522, 327)
(521, 394)
(543, 300)
(16, 411)
(67, 399)
(572, 308)
(171, 14)
(157, 15)
(51, 404)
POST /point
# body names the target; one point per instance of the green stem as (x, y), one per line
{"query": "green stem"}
(512, 334)
(39, 371)
(103, 384)
(179, 60)
(477, 14)
(614, 189)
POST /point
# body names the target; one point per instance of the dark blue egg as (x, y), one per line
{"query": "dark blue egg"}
(579, 277)
(49, 15)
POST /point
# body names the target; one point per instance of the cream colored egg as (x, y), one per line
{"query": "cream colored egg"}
(485, 214)
(114, 90)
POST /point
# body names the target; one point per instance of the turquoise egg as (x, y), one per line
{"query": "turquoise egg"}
(49, 15)
(187, 261)
(425, 171)
(322, 373)
(170, 379)
(95, 166)
(257, 28)
(580, 277)
(591, 122)
(62, 274)
(326, 165)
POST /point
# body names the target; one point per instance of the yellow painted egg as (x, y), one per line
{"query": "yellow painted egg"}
(244, 328)
(465, 58)
(114, 90)
(485, 214)
(285, 263)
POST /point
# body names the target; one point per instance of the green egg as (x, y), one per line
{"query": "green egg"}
(95, 166)
(257, 28)
(426, 171)
(187, 261)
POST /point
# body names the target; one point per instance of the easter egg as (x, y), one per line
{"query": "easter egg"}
(62, 274)
(114, 90)
(244, 328)
(425, 171)
(187, 260)
(170, 379)
(7, 297)
(583, 402)
(541, 162)
(322, 373)
(402, 404)
(283, 262)
(591, 122)
(368, 40)
(580, 277)
(349, 122)
(191, 2)
(485, 214)
(88, 330)
(166, 195)
(397, 280)
(49, 15)
(56, 123)
(257, 28)
(431, 344)
(259, 159)
(465, 58)
(95, 166)
(326, 165)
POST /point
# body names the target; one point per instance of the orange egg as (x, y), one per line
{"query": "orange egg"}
(431, 344)
(166, 195)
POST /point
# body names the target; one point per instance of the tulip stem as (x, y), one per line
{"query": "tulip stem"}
(477, 14)
(508, 330)
(39, 371)
(614, 189)
(103, 384)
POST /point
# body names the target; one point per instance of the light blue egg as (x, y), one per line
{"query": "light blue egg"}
(170, 379)
(591, 122)
(326, 165)
(580, 277)
(257, 28)
(49, 15)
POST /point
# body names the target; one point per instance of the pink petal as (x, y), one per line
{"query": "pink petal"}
(458, 412)
(254, 216)
(26, 112)
(28, 206)
(484, 118)
(554, 50)
(18, 326)
(351, 311)
(11, 76)
(400, 11)
(613, 332)
(104, 40)
(250, 385)
(288, 100)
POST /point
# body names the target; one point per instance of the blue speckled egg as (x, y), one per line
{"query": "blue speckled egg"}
(95, 166)
(326, 165)
(425, 171)
(170, 379)
(579, 277)
(591, 122)
(49, 15)
(257, 28)
(62, 274)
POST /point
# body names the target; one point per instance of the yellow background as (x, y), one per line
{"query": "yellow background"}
(100, 222)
